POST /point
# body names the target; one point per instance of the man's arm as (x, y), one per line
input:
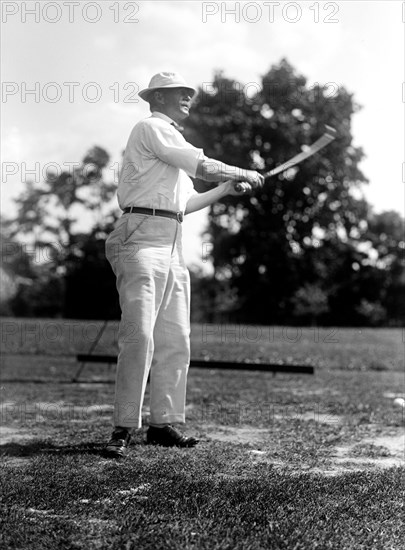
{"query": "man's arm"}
(215, 171)
(201, 200)
(171, 147)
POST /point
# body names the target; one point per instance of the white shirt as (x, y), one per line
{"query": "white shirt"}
(156, 166)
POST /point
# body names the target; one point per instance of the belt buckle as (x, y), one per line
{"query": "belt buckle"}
(179, 216)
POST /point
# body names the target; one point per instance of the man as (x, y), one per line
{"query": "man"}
(145, 252)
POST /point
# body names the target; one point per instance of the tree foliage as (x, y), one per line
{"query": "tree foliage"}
(49, 213)
(59, 229)
(294, 248)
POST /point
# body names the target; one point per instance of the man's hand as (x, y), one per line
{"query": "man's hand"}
(237, 189)
(252, 177)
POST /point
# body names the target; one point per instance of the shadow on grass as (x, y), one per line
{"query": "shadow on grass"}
(53, 381)
(43, 447)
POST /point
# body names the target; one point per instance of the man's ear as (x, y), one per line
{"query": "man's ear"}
(159, 97)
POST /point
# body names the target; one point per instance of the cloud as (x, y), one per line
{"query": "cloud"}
(106, 42)
(11, 144)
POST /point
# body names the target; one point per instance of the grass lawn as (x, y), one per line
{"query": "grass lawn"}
(285, 462)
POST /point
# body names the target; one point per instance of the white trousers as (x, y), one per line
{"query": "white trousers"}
(153, 283)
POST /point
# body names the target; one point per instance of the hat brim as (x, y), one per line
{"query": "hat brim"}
(144, 94)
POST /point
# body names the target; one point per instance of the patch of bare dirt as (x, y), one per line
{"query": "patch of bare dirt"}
(382, 451)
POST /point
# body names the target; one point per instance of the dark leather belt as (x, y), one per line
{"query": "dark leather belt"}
(179, 216)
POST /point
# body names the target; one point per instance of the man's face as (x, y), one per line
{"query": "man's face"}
(177, 102)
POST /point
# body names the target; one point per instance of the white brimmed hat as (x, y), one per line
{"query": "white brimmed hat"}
(164, 80)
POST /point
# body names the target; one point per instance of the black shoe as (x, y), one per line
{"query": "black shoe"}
(168, 436)
(117, 447)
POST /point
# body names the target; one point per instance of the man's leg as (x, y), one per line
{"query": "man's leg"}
(168, 376)
(141, 272)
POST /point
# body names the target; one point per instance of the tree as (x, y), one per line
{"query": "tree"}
(304, 229)
(47, 219)
(310, 302)
(386, 250)
(49, 212)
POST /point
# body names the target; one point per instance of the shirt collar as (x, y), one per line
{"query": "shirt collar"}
(158, 114)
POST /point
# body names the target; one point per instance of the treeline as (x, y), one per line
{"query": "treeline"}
(306, 249)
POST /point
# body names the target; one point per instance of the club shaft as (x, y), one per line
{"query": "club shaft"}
(319, 144)
(315, 147)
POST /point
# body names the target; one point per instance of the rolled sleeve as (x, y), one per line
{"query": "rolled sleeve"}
(171, 147)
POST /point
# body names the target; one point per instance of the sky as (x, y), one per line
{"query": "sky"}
(84, 63)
